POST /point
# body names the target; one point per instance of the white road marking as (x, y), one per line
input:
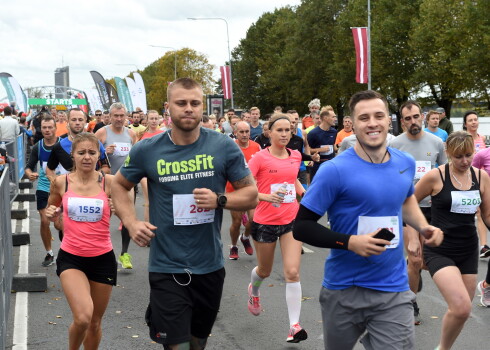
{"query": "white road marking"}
(306, 250)
(21, 298)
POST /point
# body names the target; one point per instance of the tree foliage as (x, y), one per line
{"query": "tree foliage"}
(419, 48)
(158, 74)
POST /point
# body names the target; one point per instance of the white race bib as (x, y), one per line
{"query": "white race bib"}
(290, 192)
(369, 224)
(122, 149)
(465, 202)
(186, 211)
(328, 152)
(422, 167)
(85, 209)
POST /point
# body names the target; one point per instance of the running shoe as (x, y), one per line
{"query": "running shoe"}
(485, 251)
(125, 261)
(416, 314)
(246, 244)
(253, 302)
(48, 260)
(296, 334)
(485, 294)
(244, 219)
(233, 253)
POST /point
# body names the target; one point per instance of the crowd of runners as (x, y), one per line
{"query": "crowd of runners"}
(395, 206)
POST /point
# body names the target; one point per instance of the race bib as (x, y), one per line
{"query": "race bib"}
(328, 152)
(121, 149)
(465, 202)
(187, 213)
(421, 168)
(369, 224)
(85, 209)
(290, 192)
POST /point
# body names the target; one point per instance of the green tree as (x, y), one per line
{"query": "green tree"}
(439, 41)
(260, 67)
(478, 57)
(159, 73)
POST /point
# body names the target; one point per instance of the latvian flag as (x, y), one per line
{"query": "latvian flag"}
(361, 44)
(225, 81)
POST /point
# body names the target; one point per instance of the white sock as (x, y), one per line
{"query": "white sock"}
(293, 300)
(50, 252)
(244, 237)
(256, 281)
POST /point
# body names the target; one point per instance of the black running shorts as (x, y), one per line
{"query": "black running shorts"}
(269, 233)
(183, 305)
(101, 268)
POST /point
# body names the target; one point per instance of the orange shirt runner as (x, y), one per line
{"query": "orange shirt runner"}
(253, 147)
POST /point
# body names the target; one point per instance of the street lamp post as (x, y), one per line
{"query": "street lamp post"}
(175, 57)
(229, 52)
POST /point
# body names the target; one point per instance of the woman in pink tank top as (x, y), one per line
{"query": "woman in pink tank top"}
(275, 169)
(86, 263)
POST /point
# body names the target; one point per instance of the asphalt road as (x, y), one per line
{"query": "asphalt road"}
(124, 328)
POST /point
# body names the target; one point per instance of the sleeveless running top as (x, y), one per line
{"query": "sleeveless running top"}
(86, 223)
(123, 144)
(453, 211)
(479, 143)
(43, 183)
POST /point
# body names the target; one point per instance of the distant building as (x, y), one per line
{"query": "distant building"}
(62, 78)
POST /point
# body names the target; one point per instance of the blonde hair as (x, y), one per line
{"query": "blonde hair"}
(459, 142)
(275, 117)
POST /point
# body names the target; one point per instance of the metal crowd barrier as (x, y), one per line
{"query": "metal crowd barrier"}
(5, 254)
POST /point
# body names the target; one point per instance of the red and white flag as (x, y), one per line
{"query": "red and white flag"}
(226, 81)
(361, 44)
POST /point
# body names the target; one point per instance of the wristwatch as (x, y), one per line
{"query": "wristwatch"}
(221, 200)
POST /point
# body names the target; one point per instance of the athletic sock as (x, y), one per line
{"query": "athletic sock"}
(50, 252)
(293, 300)
(244, 237)
(256, 281)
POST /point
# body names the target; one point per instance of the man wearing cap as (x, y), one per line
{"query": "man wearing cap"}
(444, 123)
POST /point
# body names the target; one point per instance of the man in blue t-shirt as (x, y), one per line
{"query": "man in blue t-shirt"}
(187, 169)
(366, 188)
(322, 139)
(433, 125)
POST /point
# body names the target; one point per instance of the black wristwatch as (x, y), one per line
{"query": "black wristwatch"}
(221, 200)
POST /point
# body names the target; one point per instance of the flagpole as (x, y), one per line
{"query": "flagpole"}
(369, 44)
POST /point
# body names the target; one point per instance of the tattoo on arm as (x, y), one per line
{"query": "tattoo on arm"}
(244, 182)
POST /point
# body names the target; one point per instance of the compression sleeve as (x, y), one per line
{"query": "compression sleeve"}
(305, 157)
(307, 229)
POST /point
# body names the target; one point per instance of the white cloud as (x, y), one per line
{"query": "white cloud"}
(38, 36)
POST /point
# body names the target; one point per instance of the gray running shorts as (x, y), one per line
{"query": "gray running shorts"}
(386, 319)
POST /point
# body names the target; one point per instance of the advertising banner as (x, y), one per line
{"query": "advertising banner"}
(140, 90)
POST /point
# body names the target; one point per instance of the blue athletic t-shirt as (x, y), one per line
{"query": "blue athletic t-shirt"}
(172, 171)
(348, 187)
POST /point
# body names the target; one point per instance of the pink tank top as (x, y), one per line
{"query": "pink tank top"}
(479, 143)
(86, 223)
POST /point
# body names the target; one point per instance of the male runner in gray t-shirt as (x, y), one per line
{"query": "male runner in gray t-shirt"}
(428, 151)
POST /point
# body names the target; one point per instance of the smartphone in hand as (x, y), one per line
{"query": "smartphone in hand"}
(385, 234)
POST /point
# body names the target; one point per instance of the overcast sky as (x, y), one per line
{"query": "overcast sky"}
(39, 36)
